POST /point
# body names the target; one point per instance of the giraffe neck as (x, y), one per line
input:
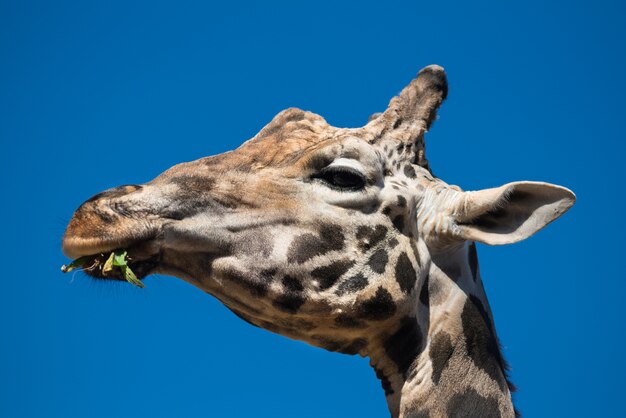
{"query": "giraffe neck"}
(445, 360)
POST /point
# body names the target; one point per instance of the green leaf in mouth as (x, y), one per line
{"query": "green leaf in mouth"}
(117, 259)
(131, 278)
(78, 263)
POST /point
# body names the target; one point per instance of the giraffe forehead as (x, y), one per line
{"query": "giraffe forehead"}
(292, 136)
(285, 139)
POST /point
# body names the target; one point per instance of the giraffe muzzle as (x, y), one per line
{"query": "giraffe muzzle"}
(120, 218)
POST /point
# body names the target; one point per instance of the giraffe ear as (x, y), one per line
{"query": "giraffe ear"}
(510, 213)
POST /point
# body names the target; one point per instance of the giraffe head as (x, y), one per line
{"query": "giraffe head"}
(318, 233)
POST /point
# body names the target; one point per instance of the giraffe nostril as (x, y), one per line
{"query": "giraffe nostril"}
(115, 192)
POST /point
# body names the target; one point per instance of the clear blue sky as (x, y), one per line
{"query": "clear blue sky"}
(93, 95)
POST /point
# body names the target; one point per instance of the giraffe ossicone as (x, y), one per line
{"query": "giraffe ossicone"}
(342, 238)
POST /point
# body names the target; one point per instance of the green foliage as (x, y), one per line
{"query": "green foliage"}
(118, 259)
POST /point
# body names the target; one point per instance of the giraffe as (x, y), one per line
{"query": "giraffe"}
(342, 238)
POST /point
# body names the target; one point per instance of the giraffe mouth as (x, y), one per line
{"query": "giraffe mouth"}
(141, 262)
(143, 255)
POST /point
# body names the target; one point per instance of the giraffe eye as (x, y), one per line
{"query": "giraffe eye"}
(341, 178)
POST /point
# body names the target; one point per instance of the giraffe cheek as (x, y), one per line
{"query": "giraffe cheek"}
(256, 243)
